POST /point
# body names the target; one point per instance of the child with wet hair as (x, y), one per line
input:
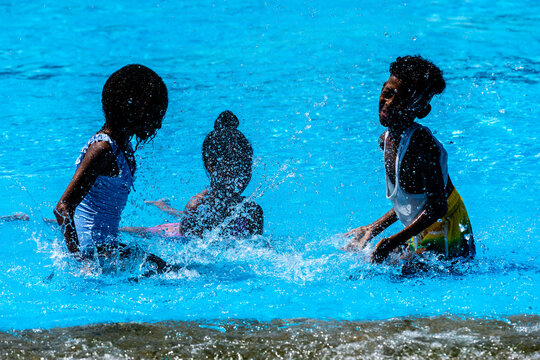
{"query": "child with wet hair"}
(417, 181)
(134, 102)
(228, 159)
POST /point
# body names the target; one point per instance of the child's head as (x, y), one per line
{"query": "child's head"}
(135, 100)
(227, 155)
(408, 91)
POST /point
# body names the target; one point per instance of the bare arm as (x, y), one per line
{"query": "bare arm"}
(191, 223)
(385, 246)
(383, 222)
(163, 206)
(362, 235)
(97, 160)
(138, 230)
(436, 208)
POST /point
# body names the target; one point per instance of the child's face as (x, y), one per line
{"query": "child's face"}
(393, 104)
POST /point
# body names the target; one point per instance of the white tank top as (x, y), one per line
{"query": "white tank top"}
(408, 206)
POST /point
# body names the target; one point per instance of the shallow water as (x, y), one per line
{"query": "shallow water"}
(304, 79)
(410, 338)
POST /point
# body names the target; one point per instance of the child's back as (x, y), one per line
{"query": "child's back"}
(234, 216)
(228, 160)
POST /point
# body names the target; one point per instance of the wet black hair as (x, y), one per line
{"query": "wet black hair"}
(419, 75)
(135, 97)
(226, 145)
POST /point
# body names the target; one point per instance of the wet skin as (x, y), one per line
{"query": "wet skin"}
(210, 208)
(213, 206)
(420, 172)
(99, 160)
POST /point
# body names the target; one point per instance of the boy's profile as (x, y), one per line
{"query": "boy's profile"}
(417, 181)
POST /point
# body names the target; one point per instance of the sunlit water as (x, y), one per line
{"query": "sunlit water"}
(304, 78)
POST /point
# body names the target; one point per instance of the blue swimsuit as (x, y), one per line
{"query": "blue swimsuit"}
(97, 217)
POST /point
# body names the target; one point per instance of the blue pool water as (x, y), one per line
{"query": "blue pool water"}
(304, 78)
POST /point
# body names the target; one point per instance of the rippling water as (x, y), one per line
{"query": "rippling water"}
(304, 78)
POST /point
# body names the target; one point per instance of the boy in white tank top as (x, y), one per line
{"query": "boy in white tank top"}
(422, 194)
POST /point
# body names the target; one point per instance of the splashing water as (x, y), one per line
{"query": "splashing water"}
(306, 95)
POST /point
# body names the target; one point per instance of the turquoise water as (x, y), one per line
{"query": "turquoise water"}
(304, 78)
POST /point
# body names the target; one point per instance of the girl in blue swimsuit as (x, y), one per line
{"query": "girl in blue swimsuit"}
(134, 102)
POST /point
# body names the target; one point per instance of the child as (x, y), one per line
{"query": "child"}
(228, 159)
(417, 181)
(134, 102)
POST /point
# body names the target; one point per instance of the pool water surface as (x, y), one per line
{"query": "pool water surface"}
(304, 79)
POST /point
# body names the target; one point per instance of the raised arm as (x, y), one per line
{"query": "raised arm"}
(97, 161)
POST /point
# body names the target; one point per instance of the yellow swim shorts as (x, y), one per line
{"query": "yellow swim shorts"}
(451, 235)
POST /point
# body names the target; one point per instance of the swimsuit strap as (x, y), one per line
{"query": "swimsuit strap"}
(403, 146)
(121, 161)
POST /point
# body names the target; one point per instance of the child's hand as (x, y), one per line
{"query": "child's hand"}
(382, 250)
(360, 237)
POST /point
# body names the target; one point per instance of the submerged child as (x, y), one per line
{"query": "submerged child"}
(134, 102)
(228, 159)
(417, 181)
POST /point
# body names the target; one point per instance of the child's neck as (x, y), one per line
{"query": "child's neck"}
(397, 130)
(120, 137)
(223, 194)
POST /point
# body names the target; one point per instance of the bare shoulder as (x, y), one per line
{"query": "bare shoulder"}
(98, 157)
(423, 142)
(99, 147)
